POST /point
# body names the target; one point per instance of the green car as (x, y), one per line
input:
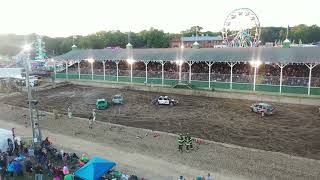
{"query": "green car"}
(117, 99)
(101, 104)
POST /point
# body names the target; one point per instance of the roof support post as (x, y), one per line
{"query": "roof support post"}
(104, 70)
(146, 63)
(190, 64)
(310, 66)
(162, 71)
(281, 66)
(92, 70)
(117, 64)
(180, 70)
(231, 64)
(131, 72)
(67, 75)
(79, 72)
(54, 69)
(209, 64)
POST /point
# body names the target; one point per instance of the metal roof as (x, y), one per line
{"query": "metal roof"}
(272, 55)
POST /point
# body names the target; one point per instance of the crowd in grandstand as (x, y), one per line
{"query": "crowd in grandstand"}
(293, 74)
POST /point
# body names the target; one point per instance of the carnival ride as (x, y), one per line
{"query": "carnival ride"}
(241, 29)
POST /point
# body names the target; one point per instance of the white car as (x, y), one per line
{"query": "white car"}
(33, 81)
(164, 100)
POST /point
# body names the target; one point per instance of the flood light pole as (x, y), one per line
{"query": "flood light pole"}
(27, 65)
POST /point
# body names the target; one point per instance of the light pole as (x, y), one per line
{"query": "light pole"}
(255, 64)
(91, 61)
(54, 69)
(130, 62)
(27, 49)
(179, 63)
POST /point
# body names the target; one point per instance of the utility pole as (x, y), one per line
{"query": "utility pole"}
(27, 65)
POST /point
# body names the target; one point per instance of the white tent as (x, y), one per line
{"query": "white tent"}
(4, 135)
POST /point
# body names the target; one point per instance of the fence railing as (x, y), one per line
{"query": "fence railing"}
(236, 78)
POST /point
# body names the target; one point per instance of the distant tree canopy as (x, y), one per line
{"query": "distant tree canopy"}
(10, 44)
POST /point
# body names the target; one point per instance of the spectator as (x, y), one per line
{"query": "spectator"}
(28, 166)
(209, 177)
(18, 168)
(10, 168)
(181, 178)
(3, 165)
(38, 172)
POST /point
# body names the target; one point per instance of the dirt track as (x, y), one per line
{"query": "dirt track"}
(293, 130)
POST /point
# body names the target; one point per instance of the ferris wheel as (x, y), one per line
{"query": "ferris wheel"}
(241, 29)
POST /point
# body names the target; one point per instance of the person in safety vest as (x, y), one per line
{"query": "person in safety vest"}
(188, 142)
(180, 143)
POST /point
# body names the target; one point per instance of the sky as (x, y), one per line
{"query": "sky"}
(59, 18)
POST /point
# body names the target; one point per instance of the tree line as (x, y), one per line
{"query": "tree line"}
(10, 44)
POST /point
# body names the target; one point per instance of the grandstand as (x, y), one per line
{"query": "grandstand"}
(282, 70)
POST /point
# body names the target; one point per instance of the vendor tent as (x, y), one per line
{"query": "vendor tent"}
(94, 169)
(4, 135)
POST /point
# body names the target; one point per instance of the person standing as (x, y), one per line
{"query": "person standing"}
(180, 143)
(188, 141)
(90, 121)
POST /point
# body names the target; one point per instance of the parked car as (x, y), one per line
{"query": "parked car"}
(262, 107)
(164, 100)
(117, 99)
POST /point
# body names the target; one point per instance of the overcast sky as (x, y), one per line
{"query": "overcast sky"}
(81, 17)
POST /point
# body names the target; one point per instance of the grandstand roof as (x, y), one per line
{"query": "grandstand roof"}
(272, 55)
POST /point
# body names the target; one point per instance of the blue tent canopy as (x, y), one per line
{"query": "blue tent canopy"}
(94, 169)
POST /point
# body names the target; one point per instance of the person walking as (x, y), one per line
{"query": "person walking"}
(93, 115)
(69, 112)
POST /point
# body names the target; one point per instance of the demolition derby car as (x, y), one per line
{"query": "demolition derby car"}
(262, 108)
(164, 100)
(117, 99)
(101, 104)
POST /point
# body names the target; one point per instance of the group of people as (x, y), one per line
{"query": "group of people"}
(185, 141)
(34, 162)
(208, 177)
(293, 75)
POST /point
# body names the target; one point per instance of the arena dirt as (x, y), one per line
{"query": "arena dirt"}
(294, 129)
